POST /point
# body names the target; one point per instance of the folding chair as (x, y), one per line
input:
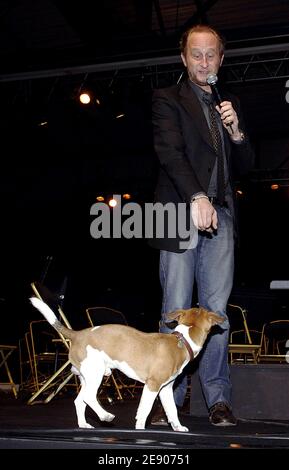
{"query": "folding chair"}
(27, 379)
(239, 351)
(121, 383)
(61, 377)
(274, 342)
(45, 355)
(5, 352)
(105, 315)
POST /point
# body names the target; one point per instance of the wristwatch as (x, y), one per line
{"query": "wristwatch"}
(241, 139)
(242, 135)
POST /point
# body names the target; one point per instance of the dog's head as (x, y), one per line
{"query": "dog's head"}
(199, 317)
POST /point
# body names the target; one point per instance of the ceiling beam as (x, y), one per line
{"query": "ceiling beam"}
(141, 63)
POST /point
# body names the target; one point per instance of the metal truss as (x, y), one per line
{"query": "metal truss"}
(266, 62)
(257, 66)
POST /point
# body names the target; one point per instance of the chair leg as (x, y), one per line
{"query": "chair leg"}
(116, 387)
(48, 382)
(54, 393)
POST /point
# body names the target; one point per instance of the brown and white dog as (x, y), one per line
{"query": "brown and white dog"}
(155, 359)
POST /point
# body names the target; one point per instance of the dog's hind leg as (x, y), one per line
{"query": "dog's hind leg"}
(90, 398)
(145, 405)
(168, 402)
(92, 382)
(80, 406)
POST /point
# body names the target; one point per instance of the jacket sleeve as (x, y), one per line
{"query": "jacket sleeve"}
(243, 153)
(170, 147)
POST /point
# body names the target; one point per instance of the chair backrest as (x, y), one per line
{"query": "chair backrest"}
(241, 321)
(240, 336)
(43, 353)
(274, 337)
(244, 343)
(41, 335)
(105, 315)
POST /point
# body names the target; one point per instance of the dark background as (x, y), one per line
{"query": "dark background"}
(57, 156)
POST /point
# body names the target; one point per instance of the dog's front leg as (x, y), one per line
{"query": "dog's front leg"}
(168, 402)
(145, 405)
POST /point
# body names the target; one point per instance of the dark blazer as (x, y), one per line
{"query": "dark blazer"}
(184, 147)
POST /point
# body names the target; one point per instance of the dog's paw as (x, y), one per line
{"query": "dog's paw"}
(179, 428)
(85, 426)
(107, 417)
(139, 426)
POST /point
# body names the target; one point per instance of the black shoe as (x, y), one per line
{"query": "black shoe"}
(221, 415)
(159, 417)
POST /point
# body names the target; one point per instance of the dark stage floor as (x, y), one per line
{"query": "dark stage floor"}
(53, 426)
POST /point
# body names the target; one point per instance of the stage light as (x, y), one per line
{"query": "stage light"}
(84, 98)
(239, 192)
(120, 115)
(126, 196)
(100, 198)
(112, 202)
(274, 186)
(234, 445)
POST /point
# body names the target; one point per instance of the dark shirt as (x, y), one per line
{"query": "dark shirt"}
(212, 190)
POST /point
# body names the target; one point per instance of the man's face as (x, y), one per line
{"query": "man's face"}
(201, 57)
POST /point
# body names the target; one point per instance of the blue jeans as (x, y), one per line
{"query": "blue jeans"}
(211, 264)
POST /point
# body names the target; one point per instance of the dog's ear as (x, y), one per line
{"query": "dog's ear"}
(176, 315)
(215, 319)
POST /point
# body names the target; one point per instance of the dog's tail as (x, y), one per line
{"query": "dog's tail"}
(50, 316)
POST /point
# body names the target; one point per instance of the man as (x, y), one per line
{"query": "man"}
(200, 146)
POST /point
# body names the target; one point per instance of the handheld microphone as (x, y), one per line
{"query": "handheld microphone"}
(212, 80)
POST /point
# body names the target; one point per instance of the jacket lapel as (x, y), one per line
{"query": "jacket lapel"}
(191, 103)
